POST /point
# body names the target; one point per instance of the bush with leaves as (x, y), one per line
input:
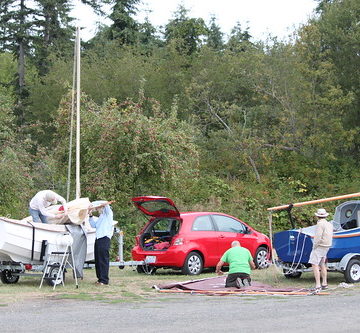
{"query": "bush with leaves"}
(15, 174)
(130, 149)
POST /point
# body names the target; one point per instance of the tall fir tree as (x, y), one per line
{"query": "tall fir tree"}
(30, 30)
(215, 35)
(239, 39)
(18, 32)
(187, 33)
(124, 28)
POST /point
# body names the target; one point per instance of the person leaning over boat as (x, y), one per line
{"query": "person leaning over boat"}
(321, 244)
(104, 230)
(41, 201)
(240, 264)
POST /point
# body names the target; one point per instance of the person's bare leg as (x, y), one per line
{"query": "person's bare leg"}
(316, 275)
(323, 273)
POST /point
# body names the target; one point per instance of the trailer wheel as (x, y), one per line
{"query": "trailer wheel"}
(145, 269)
(293, 275)
(8, 277)
(352, 271)
(52, 276)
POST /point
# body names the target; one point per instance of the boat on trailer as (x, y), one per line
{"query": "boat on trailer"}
(25, 245)
(26, 241)
(293, 247)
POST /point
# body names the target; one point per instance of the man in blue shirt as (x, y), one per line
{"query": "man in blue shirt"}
(104, 230)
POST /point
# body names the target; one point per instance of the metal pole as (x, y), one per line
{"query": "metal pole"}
(71, 123)
(121, 246)
(78, 113)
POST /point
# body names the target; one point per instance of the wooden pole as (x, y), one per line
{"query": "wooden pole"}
(304, 203)
(271, 235)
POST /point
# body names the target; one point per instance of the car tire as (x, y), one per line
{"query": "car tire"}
(352, 271)
(193, 264)
(293, 275)
(261, 258)
(7, 277)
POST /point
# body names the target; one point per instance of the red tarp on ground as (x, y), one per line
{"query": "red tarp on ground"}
(216, 285)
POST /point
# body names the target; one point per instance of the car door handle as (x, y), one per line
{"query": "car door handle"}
(221, 236)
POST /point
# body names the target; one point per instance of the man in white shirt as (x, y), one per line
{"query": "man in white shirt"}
(321, 244)
(41, 201)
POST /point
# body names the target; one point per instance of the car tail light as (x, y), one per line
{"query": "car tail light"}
(28, 267)
(178, 241)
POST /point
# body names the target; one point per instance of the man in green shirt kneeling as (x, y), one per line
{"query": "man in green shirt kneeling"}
(240, 264)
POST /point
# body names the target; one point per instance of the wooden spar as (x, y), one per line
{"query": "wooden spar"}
(304, 203)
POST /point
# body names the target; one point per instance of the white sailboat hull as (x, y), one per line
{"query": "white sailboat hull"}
(21, 240)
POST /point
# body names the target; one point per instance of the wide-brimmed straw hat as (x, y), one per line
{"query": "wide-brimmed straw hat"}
(321, 212)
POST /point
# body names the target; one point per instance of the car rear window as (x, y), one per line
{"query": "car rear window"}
(227, 224)
(203, 223)
(159, 205)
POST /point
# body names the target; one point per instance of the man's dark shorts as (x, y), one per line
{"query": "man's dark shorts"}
(231, 279)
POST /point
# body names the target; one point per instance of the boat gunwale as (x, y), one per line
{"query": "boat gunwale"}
(42, 226)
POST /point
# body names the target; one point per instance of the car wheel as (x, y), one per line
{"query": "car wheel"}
(8, 277)
(352, 271)
(261, 258)
(292, 275)
(193, 264)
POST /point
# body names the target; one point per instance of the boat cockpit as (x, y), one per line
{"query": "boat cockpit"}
(347, 216)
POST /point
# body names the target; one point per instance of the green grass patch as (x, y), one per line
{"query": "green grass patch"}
(129, 286)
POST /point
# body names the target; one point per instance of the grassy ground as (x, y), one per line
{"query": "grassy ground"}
(127, 285)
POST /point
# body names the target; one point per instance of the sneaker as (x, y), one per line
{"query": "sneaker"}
(316, 290)
(100, 283)
(238, 283)
(246, 282)
(324, 287)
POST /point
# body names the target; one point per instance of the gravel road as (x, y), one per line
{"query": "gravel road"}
(187, 313)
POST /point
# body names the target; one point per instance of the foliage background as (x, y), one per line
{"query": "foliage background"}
(234, 125)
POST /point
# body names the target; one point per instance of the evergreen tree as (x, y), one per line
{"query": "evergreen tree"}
(239, 39)
(18, 26)
(322, 4)
(124, 28)
(147, 37)
(30, 30)
(215, 35)
(185, 32)
(56, 32)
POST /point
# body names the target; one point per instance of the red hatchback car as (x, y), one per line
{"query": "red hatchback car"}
(194, 240)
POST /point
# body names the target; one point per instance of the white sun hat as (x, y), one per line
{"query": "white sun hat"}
(321, 212)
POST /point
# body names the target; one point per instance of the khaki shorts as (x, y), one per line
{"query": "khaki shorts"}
(318, 255)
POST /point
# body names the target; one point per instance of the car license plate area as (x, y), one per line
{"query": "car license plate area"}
(150, 259)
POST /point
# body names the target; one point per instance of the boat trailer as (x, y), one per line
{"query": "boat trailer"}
(11, 271)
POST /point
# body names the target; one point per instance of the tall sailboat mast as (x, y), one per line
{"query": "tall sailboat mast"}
(78, 113)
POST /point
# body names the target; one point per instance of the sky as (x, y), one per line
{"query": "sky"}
(263, 17)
